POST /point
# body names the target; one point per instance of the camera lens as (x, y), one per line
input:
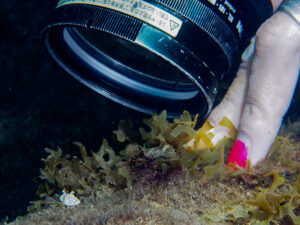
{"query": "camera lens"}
(152, 55)
(129, 54)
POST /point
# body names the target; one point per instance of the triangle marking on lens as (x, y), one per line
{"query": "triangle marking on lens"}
(173, 25)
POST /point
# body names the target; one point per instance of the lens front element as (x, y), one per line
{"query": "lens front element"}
(153, 55)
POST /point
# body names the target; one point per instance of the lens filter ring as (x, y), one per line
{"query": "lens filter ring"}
(148, 55)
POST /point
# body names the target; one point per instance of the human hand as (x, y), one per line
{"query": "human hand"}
(262, 90)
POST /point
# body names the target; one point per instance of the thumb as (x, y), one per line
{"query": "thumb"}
(273, 76)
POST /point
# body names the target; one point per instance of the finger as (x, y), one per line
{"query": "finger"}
(276, 4)
(274, 73)
(231, 105)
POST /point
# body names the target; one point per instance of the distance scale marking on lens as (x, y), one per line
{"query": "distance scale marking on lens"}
(226, 8)
(139, 9)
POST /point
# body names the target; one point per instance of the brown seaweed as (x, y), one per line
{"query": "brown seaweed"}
(164, 148)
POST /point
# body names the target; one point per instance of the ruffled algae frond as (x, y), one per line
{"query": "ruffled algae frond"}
(83, 175)
(169, 173)
(275, 203)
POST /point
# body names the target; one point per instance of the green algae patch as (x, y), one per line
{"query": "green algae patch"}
(169, 173)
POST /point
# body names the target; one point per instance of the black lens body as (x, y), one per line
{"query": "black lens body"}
(153, 55)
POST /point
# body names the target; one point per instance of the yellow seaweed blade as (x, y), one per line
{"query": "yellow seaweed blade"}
(185, 118)
(262, 203)
(288, 210)
(195, 121)
(277, 180)
(225, 122)
(218, 168)
(206, 127)
(203, 137)
(203, 141)
(182, 129)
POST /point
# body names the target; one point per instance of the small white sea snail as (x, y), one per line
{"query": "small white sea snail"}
(69, 199)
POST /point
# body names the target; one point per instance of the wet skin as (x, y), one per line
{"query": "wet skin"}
(263, 88)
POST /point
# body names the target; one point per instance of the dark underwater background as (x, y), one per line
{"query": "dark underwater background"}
(41, 106)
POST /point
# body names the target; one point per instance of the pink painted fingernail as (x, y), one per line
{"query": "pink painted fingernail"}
(238, 154)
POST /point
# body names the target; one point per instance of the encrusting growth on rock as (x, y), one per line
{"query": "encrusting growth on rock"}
(169, 173)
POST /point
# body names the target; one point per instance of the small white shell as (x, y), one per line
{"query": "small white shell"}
(69, 199)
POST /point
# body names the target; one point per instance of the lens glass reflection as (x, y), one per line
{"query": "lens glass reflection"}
(134, 56)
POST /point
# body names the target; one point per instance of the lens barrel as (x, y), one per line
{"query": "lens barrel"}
(152, 55)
